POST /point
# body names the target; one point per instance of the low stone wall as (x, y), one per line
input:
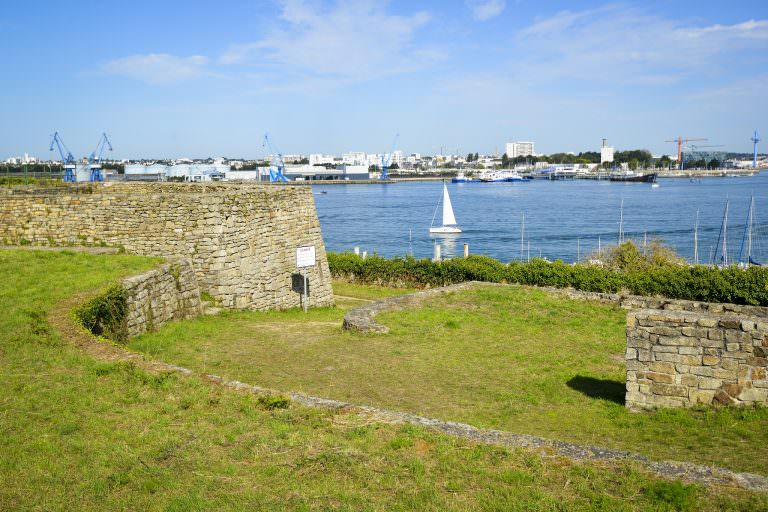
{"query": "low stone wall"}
(631, 302)
(681, 359)
(168, 292)
(363, 319)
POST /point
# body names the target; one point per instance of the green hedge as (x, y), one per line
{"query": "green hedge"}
(710, 284)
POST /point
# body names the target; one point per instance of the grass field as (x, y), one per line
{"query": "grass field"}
(511, 358)
(82, 434)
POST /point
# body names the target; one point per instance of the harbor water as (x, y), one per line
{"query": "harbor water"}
(562, 219)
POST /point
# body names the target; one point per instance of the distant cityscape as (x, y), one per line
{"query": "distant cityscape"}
(518, 155)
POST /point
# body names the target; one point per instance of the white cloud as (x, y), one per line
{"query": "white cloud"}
(350, 41)
(616, 43)
(486, 9)
(158, 68)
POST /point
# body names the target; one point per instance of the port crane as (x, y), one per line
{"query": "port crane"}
(94, 159)
(67, 160)
(755, 139)
(680, 141)
(386, 159)
(277, 164)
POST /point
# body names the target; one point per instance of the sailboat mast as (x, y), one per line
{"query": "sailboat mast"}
(725, 236)
(696, 239)
(749, 232)
(621, 223)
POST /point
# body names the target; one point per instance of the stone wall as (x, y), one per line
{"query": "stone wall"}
(240, 238)
(682, 358)
(168, 292)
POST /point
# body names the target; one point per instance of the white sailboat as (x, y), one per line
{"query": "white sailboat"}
(449, 220)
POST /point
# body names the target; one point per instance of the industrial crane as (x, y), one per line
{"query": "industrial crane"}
(277, 162)
(680, 141)
(755, 139)
(94, 159)
(385, 161)
(67, 160)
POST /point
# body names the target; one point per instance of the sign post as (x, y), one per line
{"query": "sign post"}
(305, 257)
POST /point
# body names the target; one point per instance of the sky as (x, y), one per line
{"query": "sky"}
(196, 79)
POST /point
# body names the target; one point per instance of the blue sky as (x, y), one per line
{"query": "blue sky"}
(173, 79)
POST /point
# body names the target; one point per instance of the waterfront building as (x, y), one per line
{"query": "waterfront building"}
(519, 148)
(606, 152)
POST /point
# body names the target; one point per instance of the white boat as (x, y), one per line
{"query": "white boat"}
(496, 176)
(449, 220)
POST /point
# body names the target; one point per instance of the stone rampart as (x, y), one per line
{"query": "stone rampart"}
(240, 238)
(681, 359)
(168, 292)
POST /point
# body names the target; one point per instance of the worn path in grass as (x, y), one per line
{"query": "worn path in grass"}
(511, 358)
(81, 433)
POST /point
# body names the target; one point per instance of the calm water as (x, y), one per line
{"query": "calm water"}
(562, 218)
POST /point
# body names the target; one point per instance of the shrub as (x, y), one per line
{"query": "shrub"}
(105, 315)
(667, 279)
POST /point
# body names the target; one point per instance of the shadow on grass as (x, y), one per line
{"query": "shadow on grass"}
(599, 388)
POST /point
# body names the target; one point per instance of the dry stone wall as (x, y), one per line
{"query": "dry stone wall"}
(240, 238)
(169, 292)
(681, 359)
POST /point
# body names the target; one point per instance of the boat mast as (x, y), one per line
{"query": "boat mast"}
(696, 240)
(725, 236)
(621, 222)
(749, 233)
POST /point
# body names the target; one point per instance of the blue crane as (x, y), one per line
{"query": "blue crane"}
(755, 139)
(67, 160)
(385, 161)
(94, 159)
(277, 164)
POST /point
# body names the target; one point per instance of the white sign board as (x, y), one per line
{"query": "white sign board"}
(305, 256)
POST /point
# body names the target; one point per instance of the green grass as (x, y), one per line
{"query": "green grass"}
(81, 434)
(511, 358)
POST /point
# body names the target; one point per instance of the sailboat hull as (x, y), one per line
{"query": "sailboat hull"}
(445, 229)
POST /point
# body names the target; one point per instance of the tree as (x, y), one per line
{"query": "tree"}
(394, 165)
(504, 161)
(633, 164)
(476, 157)
(714, 163)
(373, 168)
(469, 157)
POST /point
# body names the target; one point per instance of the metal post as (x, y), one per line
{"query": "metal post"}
(436, 255)
(306, 295)
(466, 250)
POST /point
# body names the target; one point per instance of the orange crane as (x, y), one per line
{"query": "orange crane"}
(680, 141)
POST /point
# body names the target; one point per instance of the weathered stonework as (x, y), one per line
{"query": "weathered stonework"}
(240, 238)
(168, 292)
(681, 359)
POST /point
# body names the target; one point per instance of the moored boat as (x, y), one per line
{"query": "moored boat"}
(634, 177)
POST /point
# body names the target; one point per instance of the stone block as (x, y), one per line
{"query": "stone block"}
(709, 383)
(660, 377)
(710, 360)
(748, 325)
(702, 396)
(658, 388)
(689, 380)
(662, 367)
(730, 323)
(690, 350)
(754, 395)
(706, 322)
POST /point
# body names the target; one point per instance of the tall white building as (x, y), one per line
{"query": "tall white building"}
(519, 148)
(606, 152)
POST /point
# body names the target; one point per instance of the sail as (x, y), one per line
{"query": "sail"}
(448, 218)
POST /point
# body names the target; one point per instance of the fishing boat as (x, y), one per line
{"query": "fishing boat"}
(634, 177)
(449, 220)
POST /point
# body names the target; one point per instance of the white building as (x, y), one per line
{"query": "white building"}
(318, 159)
(354, 158)
(606, 152)
(515, 149)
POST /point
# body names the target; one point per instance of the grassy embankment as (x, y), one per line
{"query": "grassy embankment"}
(81, 434)
(513, 358)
